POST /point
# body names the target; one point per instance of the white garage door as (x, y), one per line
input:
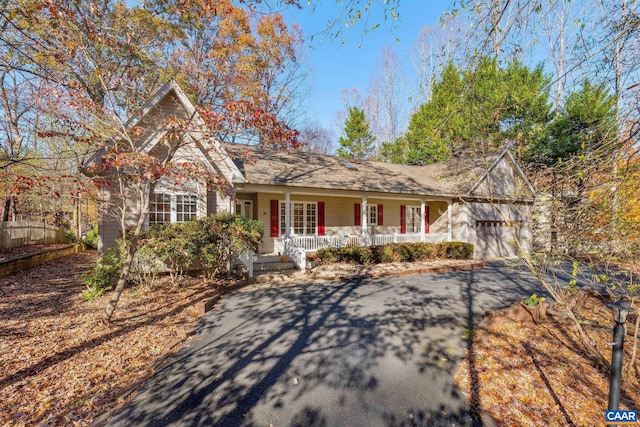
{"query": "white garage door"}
(496, 239)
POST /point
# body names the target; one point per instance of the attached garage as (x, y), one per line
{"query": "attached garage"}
(497, 239)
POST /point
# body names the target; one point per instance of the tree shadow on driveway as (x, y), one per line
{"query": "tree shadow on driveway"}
(376, 352)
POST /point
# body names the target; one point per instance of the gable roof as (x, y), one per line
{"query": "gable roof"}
(171, 95)
(454, 178)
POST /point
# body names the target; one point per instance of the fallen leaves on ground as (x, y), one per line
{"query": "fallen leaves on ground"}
(393, 268)
(60, 364)
(538, 375)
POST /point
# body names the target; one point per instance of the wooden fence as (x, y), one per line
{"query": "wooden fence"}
(14, 234)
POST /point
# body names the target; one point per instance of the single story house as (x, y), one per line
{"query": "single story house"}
(308, 201)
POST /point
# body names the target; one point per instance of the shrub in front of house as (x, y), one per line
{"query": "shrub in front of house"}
(396, 252)
(455, 250)
(104, 275)
(91, 239)
(172, 244)
(222, 237)
(208, 244)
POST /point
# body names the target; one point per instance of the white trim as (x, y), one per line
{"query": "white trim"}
(505, 152)
(449, 221)
(423, 220)
(243, 207)
(369, 210)
(363, 215)
(173, 205)
(288, 214)
(406, 219)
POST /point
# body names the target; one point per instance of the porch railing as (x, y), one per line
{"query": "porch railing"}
(296, 254)
(313, 243)
(247, 259)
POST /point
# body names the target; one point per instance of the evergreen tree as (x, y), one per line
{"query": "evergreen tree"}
(585, 127)
(358, 142)
(475, 111)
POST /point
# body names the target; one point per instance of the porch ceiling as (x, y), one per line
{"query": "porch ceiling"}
(306, 191)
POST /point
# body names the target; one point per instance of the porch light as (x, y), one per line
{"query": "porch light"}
(620, 309)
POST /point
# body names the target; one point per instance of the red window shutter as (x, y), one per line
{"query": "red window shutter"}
(275, 218)
(426, 219)
(403, 219)
(357, 214)
(380, 217)
(320, 218)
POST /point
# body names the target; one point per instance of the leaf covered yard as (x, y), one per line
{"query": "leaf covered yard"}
(60, 364)
(538, 375)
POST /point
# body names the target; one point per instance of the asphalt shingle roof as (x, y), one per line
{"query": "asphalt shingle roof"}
(264, 166)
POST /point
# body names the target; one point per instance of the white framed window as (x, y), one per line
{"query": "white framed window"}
(372, 214)
(413, 219)
(304, 218)
(186, 207)
(160, 209)
(244, 208)
(168, 208)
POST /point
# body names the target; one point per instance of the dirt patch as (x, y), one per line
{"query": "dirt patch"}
(527, 374)
(60, 364)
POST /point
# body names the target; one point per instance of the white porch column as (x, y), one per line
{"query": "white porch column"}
(232, 202)
(287, 214)
(449, 220)
(364, 218)
(423, 220)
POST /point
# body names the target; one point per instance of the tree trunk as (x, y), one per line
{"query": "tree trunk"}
(131, 249)
(6, 208)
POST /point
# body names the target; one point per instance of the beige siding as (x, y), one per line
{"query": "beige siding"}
(504, 181)
(156, 119)
(108, 227)
(460, 231)
(439, 217)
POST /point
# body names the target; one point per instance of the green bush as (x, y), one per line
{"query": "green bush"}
(208, 243)
(424, 251)
(91, 239)
(328, 255)
(146, 267)
(171, 244)
(396, 252)
(406, 252)
(355, 255)
(104, 275)
(455, 250)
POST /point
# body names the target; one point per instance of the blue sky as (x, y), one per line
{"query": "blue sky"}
(336, 66)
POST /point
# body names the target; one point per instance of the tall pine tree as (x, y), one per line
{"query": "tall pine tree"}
(358, 142)
(475, 111)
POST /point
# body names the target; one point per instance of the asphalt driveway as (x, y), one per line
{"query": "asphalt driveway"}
(373, 352)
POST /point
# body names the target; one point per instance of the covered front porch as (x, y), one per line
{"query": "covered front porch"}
(301, 222)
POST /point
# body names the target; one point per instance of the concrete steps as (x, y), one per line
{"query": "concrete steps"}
(270, 265)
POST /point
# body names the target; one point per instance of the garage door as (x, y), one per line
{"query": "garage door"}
(496, 239)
